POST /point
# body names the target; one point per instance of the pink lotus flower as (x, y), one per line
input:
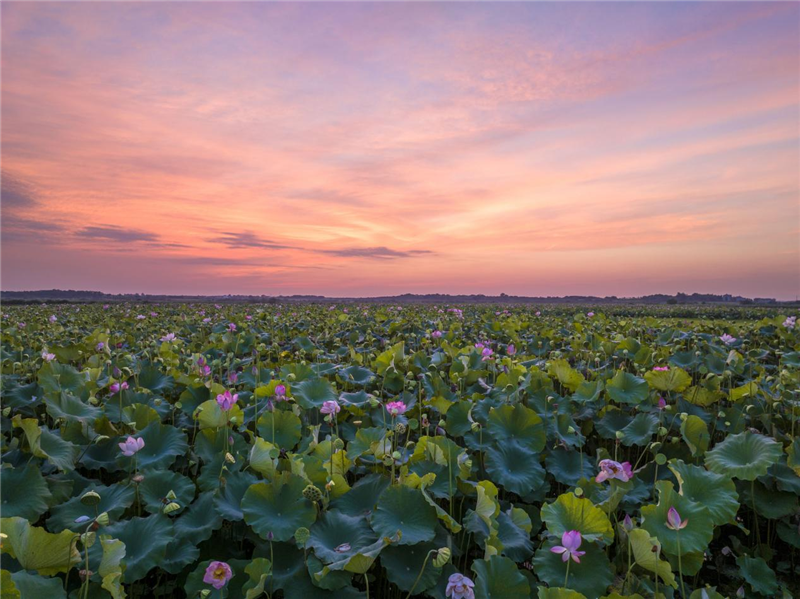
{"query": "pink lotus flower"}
(662, 403)
(226, 401)
(674, 520)
(52, 318)
(538, 313)
(789, 323)
(660, 368)
(590, 314)
(437, 334)
(117, 387)
(727, 339)
(330, 407)
(486, 354)
(140, 317)
(217, 574)
(47, 357)
(232, 327)
(280, 392)
(206, 320)
(154, 314)
(233, 376)
(131, 446)
(570, 542)
(248, 317)
(459, 587)
(169, 337)
(611, 469)
(100, 346)
(395, 408)
(105, 306)
(479, 346)
(511, 349)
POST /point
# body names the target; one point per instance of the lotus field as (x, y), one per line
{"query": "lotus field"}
(349, 450)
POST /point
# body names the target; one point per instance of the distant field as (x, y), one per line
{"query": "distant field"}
(351, 450)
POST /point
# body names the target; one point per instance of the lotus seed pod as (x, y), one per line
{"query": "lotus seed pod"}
(578, 492)
(171, 507)
(302, 535)
(442, 557)
(171, 495)
(684, 416)
(291, 377)
(654, 447)
(674, 440)
(619, 435)
(475, 426)
(103, 519)
(338, 444)
(396, 455)
(91, 498)
(400, 428)
(312, 493)
(727, 423)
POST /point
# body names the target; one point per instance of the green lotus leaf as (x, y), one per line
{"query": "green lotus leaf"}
(403, 509)
(364, 441)
(361, 561)
(114, 500)
(362, 498)
(758, 575)
(313, 392)
(699, 529)
(36, 549)
(569, 466)
(566, 375)
(30, 585)
(67, 406)
(25, 493)
(569, 512)
(146, 541)
(162, 445)
(674, 379)
(714, 491)
(287, 428)
(450, 522)
(199, 521)
(588, 391)
(54, 378)
(613, 420)
(153, 379)
(179, 554)
(358, 398)
(45, 444)
(562, 593)
(327, 579)
(458, 423)
(770, 503)
(642, 545)
(640, 430)
(695, 432)
(627, 388)
(403, 564)
(228, 497)
(591, 577)
(514, 531)
(157, 485)
(517, 423)
(745, 455)
(336, 536)
(513, 467)
(278, 507)
(785, 477)
(8, 590)
(22, 397)
(258, 570)
(700, 396)
(499, 578)
(357, 375)
(211, 416)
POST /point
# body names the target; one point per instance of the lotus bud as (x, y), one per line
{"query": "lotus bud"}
(571, 430)
(442, 557)
(171, 507)
(373, 402)
(338, 444)
(684, 416)
(396, 455)
(6, 411)
(475, 426)
(740, 592)
(91, 498)
(627, 523)
(674, 440)
(103, 519)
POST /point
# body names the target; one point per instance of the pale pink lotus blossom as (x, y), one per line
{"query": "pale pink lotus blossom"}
(232, 327)
(661, 368)
(141, 317)
(790, 322)
(206, 320)
(459, 587)
(395, 408)
(590, 314)
(48, 357)
(662, 403)
(100, 346)
(226, 400)
(486, 354)
(280, 392)
(330, 407)
(117, 387)
(727, 339)
(52, 318)
(511, 349)
(217, 574)
(570, 542)
(131, 446)
(437, 334)
(611, 469)
(169, 337)
(674, 520)
(538, 313)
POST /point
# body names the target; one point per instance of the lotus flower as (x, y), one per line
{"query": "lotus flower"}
(131, 446)
(395, 408)
(232, 327)
(141, 317)
(168, 337)
(662, 403)
(437, 334)
(590, 314)
(280, 392)
(674, 520)
(486, 354)
(538, 313)
(233, 376)
(225, 401)
(611, 469)
(727, 339)
(117, 387)
(661, 368)
(459, 587)
(570, 542)
(511, 349)
(47, 357)
(330, 407)
(217, 574)
(789, 323)
(53, 318)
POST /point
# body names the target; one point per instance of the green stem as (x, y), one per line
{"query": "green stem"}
(566, 578)
(680, 565)
(425, 563)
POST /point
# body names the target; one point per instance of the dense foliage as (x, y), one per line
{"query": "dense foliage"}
(308, 451)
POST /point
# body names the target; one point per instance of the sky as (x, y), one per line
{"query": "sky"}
(362, 149)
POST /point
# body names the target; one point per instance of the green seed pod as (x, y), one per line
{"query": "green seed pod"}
(171, 507)
(89, 499)
(338, 444)
(661, 459)
(442, 557)
(301, 536)
(399, 428)
(619, 434)
(171, 495)
(103, 519)
(312, 493)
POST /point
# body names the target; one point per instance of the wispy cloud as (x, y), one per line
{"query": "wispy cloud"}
(381, 253)
(246, 240)
(118, 234)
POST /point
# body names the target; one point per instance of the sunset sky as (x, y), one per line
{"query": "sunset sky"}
(373, 149)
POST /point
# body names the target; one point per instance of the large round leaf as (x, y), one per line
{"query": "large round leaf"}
(403, 564)
(569, 512)
(674, 379)
(337, 536)
(517, 423)
(25, 493)
(114, 500)
(313, 392)
(592, 576)
(627, 388)
(228, 497)
(278, 507)
(569, 466)
(514, 468)
(403, 509)
(157, 485)
(286, 426)
(714, 491)
(640, 430)
(199, 521)
(499, 578)
(162, 445)
(699, 529)
(36, 549)
(146, 541)
(746, 455)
